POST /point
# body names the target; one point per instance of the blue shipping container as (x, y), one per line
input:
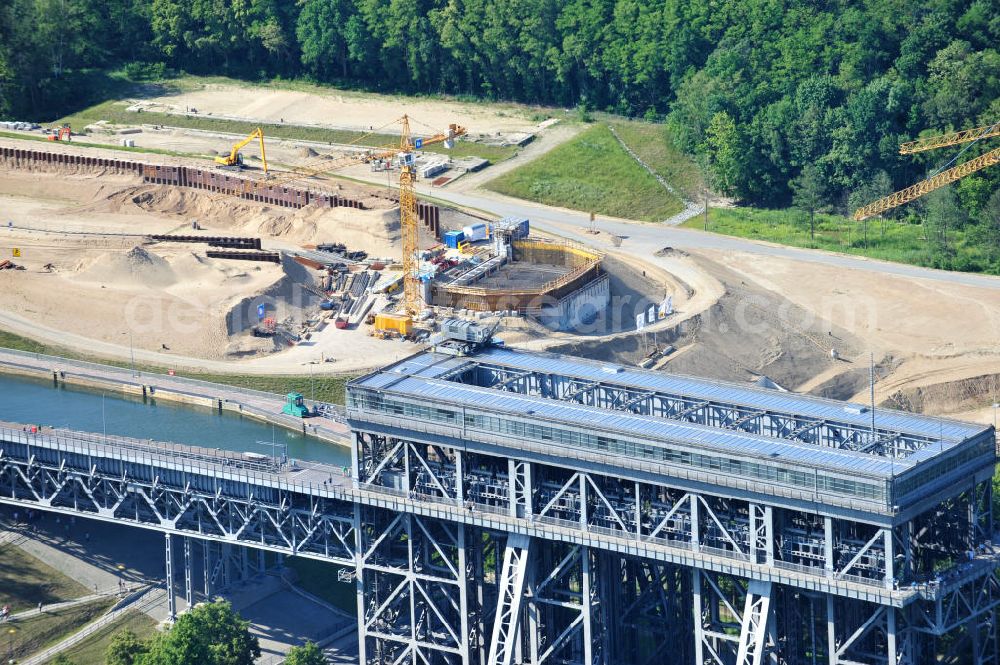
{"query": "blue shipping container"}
(516, 226)
(452, 238)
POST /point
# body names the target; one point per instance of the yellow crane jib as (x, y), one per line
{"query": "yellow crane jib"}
(954, 138)
(235, 158)
(937, 180)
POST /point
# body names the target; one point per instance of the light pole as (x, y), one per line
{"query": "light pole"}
(274, 449)
(131, 352)
(10, 644)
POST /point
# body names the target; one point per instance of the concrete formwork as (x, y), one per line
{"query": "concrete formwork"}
(584, 268)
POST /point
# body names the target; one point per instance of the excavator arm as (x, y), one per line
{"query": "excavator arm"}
(234, 155)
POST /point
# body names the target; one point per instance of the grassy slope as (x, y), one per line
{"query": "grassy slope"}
(115, 112)
(25, 581)
(591, 172)
(103, 146)
(92, 650)
(887, 240)
(37, 633)
(654, 146)
(327, 388)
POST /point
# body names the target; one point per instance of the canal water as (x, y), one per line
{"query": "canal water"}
(39, 402)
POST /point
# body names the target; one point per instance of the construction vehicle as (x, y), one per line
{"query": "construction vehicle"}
(405, 158)
(64, 133)
(943, 176)
(295, 406)
(234, 160)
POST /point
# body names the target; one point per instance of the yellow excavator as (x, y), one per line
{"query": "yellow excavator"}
(234, 160)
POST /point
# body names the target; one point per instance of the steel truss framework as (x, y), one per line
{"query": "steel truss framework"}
(529, 561)
(716, 413)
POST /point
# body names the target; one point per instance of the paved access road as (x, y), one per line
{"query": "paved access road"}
(642, 240)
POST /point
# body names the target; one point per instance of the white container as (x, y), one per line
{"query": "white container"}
(476, 232)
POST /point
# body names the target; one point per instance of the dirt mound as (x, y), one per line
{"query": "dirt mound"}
(306, 152)
(948, 396)
(670, 251)
(136, 267)
(375, 231)
(285, 299)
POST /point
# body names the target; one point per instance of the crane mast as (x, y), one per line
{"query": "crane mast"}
(408, 228)
(408, 223)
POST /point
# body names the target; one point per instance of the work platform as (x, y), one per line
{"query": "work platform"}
(510, 507)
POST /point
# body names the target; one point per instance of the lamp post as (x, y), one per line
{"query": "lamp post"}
(131, 351)
(10, 644)
(274, 450)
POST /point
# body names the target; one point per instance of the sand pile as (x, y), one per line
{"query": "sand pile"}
(370, 230)
(134, 268)
(307, 152)
(374, 231)
(285, 298)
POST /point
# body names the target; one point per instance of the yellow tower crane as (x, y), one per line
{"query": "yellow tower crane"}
(408, 222)
(234, 160)
(941, 178)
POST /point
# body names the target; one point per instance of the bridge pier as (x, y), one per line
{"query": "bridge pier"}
(171, 600)
(188, 581)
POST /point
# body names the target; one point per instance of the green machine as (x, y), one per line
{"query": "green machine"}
(295, 406)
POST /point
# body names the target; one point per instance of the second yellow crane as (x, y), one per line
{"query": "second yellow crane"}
(941, 178)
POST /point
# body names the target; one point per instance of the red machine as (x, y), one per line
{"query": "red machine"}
(64, 133)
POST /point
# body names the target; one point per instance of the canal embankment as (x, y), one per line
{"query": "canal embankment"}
(328, 425)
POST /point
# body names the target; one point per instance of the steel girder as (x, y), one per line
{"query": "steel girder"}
(186, 504)
(432, 590)
(609, 395)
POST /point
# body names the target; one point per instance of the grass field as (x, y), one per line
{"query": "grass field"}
(103, 146)
(653, 145)
(320, 579)
(92, 650)
(26, 581)
(325, 388)
(116, 112)
(37, 633)
(591, 173)
(887, 240)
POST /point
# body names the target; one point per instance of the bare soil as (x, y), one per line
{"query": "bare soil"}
(340, 109)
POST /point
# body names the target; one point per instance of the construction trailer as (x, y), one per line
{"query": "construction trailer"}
(396, 323)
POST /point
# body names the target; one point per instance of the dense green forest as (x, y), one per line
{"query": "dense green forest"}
(775, 97)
